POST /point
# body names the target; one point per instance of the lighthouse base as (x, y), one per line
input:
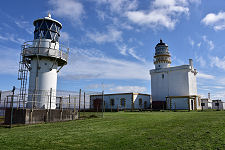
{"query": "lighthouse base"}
(28, 116)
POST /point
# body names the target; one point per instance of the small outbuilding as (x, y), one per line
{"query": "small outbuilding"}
(218, 104)
(121, 101)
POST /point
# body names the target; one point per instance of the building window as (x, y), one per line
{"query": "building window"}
(140, 102)
(112, 103)
(217, 104)
(145, 104)
(163, 76)
(159, 65)
(123, 102)
(202, 104)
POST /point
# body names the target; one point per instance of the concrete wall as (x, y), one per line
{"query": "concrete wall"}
(27, 116)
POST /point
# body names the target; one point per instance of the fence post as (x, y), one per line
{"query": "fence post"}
(79, 103)
(50, 99)
(69, 101)
(102, 103)
(0, 97)
(84, 101)
(12, 106)
(74, 103)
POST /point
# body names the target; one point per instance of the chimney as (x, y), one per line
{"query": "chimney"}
(208, 95)
(191, 63)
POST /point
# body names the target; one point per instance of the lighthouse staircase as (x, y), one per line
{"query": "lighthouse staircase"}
(22, 76)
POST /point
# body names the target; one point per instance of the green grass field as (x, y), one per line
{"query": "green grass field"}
(123, 130)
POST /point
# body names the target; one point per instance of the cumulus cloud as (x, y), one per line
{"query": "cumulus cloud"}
(112, 35)
(70, 9)
(217, 21)
(163, 13)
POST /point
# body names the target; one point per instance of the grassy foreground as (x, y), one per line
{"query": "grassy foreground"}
(123, 130)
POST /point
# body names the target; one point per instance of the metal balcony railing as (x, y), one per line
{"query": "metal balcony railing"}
(45, 48)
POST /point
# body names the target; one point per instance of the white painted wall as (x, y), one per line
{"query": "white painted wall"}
(221, 105)
(46, 80)
(145, 98)
(177, 81)
(118, 97)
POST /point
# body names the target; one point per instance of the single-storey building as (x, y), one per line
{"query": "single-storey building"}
(120, 101)
(218, 104)
(206, 103)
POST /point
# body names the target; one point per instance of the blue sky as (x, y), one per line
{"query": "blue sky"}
(112, 41)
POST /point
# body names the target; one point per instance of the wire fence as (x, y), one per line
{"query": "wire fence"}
(76, 101)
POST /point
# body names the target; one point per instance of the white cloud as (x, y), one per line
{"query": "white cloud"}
(209, 42)
(205, 76)
(163, 13)
(201, 61)
(128, 89)
(197, 2)
(133, 54)
(199, 44)
(70, 9)
(112, 88)
(192, 42)
(92, 64)
(64, 36)
(123, 49)
(119, 6)
(217, 62)
(217, 21)
(9, 60)
(12, 38)
(112, 35)
(27, 26)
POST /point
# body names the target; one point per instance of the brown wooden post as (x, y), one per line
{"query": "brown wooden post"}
(79, 102)
(0, 97)
(189, 105)
(74, 104)
(111, 104)
(69, 101)
(84, 101)
(195, 104)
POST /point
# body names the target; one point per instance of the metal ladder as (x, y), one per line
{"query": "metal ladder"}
(22, 76)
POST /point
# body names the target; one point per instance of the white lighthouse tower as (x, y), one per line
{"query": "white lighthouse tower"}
(172, 87)
(44, 57)
(162, 58)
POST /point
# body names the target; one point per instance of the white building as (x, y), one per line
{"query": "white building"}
(206, 103)
(218, 104)
(43, 57)
(121, 101)
(172, 87)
